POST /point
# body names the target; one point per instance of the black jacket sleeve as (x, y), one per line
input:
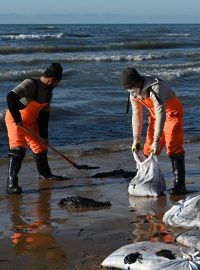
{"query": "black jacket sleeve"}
(13, 101)
(43, 123)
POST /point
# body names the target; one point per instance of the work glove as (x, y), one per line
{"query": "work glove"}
(155, 148)
(135, 147)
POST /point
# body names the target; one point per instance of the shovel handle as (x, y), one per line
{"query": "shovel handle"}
(33, 134)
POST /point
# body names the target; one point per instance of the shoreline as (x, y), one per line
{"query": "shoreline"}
(102, 146)
(36, 233)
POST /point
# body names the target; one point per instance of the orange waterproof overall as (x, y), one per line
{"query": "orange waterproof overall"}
(17, 136)
(173, 132)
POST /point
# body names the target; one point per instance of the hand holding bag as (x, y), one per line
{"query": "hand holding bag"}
(149, 180)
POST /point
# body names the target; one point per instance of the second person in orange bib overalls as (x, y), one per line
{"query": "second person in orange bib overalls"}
(165, 121)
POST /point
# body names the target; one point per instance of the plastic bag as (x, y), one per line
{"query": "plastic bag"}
(149, 180)
(153, 256)
(189, 239)
(185, 213)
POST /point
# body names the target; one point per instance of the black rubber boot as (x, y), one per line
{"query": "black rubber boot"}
(178, 165)
(15, 162)
(43, 167)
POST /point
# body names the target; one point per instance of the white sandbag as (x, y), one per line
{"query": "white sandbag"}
(153, 256)
(190, 239)
(149, 180)
(185, 213)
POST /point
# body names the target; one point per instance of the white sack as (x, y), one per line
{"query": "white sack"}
(185, 213)
(190, 239)
(149, 180)
(148, 260)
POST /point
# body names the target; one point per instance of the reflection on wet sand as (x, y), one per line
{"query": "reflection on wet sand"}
(34, 235)
(149, 225)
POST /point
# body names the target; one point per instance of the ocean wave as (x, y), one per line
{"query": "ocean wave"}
(179, 34)
(137, 57)
(35, 58)
(172, 72)
(12, 55)
(99, 147)
(47, 49)
(167, 71)
(146, 45)
(164, 70)
(177, 73)
(16, 75)
(110, 58)
(65, 58)
(32, 36)
(108, 146)
(188, 65)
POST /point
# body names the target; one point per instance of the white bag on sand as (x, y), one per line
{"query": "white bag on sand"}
(185, 213)
(149, 180)
(153, 256)
(190, 239)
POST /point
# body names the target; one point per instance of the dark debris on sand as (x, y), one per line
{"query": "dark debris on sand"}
(119, 173)
(79, 202)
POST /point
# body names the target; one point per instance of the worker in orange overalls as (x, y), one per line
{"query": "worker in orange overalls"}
(165, 121)
(28, 105)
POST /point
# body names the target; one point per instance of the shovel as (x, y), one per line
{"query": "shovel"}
(79, 167)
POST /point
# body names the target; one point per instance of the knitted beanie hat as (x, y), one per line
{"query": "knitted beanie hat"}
(54, 70)
(130, 77)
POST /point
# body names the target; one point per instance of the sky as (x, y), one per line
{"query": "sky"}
(99, 11)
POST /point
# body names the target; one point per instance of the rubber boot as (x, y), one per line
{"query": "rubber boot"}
(43, 167)
(15, 162)
(178, 165)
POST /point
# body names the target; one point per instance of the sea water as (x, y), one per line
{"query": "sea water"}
(89, 104)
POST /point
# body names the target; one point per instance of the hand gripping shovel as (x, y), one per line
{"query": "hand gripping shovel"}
(79, 167)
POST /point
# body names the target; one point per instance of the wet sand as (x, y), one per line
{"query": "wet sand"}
(35, 233)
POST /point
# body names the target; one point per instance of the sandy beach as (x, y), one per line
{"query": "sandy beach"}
(37, 234)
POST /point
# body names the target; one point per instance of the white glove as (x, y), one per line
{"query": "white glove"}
(155, 148)
(135, 147)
